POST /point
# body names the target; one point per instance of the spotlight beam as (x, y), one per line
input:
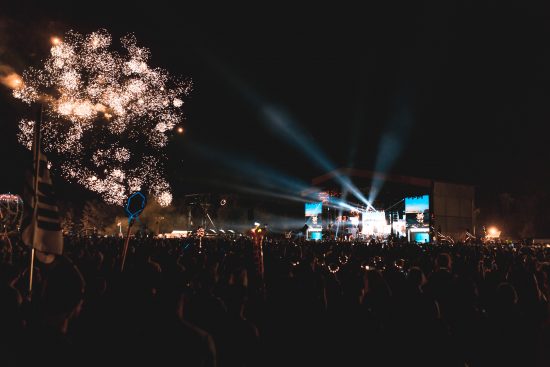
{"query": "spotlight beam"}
(282, 124)
(288, 130)
(391, 145)
(257, 173)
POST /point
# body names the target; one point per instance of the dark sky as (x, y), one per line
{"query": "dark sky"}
(461, 88)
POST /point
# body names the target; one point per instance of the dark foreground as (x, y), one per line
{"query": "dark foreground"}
(317, 304)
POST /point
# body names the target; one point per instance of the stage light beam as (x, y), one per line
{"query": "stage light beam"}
(391, 145)
(284, 126)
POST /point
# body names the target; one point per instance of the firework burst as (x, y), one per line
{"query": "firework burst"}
(107, 115)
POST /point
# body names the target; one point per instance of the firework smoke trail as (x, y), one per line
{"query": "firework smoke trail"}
(10, 78)
(107, 115)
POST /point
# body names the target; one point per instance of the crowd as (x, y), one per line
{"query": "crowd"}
(179, 302)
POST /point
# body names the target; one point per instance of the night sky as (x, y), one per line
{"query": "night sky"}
(462, 88)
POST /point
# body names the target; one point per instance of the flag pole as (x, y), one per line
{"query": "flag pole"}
(36, 153)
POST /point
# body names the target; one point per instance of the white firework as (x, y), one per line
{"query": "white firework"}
(107, 115)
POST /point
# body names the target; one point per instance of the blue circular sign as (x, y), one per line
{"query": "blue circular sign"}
(135, 205)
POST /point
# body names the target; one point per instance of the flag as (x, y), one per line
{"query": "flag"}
(42, 227)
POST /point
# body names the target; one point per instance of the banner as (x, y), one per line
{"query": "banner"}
(42, 228)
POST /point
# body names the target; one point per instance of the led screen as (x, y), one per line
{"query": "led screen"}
(316, 236)
(417, 204)
(417, 211)
(421, 237)
(313, 219)
(314, 209)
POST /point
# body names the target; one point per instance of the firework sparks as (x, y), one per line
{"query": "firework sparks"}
(108, 115)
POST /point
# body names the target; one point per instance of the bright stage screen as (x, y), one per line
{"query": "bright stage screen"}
(316, 236)
(314, 233)
(417, 211)
(313, 220)
(421, 237)
(314, 209)
(417, 204)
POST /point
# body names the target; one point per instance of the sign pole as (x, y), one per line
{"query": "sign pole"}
(134, 206)
(125, 248)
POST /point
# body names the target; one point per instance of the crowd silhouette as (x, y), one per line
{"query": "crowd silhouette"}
(179, 302)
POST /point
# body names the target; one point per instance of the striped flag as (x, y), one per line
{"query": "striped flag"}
(42, 228)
